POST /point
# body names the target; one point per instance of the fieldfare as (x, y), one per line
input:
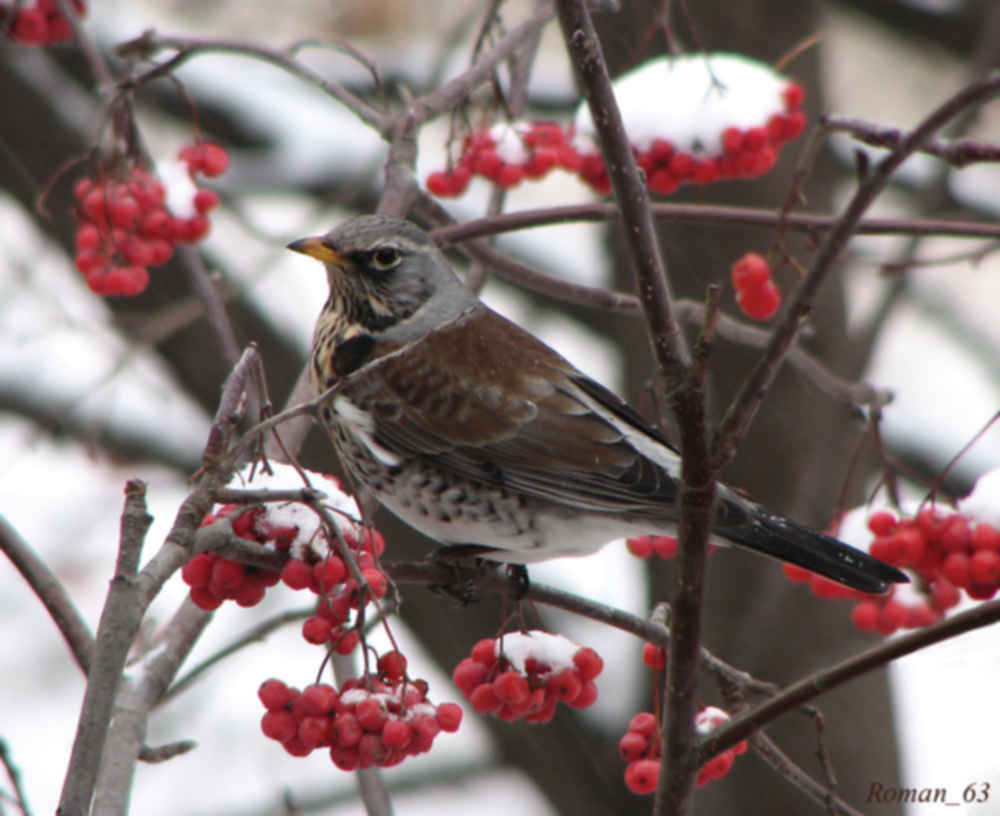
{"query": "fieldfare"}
(475, 432)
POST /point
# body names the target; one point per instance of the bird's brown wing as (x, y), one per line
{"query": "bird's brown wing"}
(483, 399)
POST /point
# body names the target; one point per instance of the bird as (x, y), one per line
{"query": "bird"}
(476, 433)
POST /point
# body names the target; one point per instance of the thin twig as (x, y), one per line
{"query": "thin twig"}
(957, 153)
(51, 593)
(14, 775)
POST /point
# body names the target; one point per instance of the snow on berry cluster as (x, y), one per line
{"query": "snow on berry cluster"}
(130, 221)
(949, 552)
(525, 675)
(372, 720)
(692, 119)
(757, 295)
(641, 748)
(37, 23)
(313, 563)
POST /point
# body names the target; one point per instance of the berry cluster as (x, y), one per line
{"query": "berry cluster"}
(641, 748)
(525, 675)
(132, 222)
(38, 23)
(948, 551)
(370, 721)
(505, 155)
(644, 546)
(214, 579)
(690, 120)
(756, 294)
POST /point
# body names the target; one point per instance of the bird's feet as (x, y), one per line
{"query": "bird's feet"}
(468, 570)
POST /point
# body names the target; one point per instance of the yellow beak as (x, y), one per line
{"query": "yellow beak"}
(317, 248)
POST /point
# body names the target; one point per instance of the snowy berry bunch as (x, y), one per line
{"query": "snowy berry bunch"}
(757, 295)
(370, 721)
(645, 546)
(949, 552)
(214, 579)
(525, 675)
(641, 748)
(692, 119)
(312, 564)
(131, 221)
(38, 23)
(506, 155)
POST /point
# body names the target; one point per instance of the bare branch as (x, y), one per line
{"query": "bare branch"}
(51, 593)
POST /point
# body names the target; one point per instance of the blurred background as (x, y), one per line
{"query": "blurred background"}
(94, 392)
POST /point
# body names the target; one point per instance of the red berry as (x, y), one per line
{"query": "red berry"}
(644, 723)
(198, 571)
(793, 95)
(313, 731)
(226, 577)
(296, 574)
(882, 522)
(891, 617)
(484, 699)
(864, 616)
(94, 206)
(661, 150)
(88, 237)
(956, 568)
(124, 211)
(205, 200)
(632, 746)
(955, 534)
(642, 776)
(330, 572)
(214, 161)
(449, 717)
(30, 27)
(754, 139)
(796, 573)
(681, 166)
(705, 171)
(439, 184)
(397, 734)
(910, 545)
(204, 599)
(984, 568)
(985, 537)
(251, 592)
(509, 175)
(468, 674)
(346, 730)
(732, 140)
(155, 224)
(485, 651)
(511, 687)
(944, 594)
(662, 181)
(761, 303)
(392, 665)
(588, 663)
(654, 656)
(640, 546)
(279, 725)
(460, 179)
(587, 695)
(795, 123)
(316, 629)
(377, 581)
(371, 716)
(274, 694)
(347, 643)
(664, 546)
(81, 188)
(750, 272)
(137, 251)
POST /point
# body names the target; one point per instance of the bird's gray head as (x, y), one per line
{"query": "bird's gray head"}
(383, 271)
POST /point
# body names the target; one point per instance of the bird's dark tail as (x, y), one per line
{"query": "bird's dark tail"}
(784, 539)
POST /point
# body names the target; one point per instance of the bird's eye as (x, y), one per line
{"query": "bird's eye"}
(385, 258)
